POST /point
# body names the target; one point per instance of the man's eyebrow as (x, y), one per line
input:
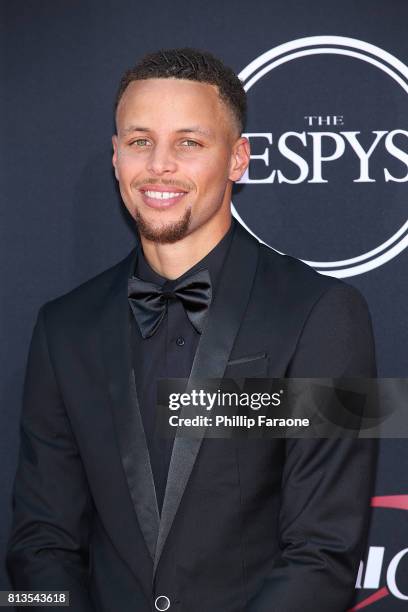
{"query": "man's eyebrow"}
(135, 128)
(193, 129)
(196, 129)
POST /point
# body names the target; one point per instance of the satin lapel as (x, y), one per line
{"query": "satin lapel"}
(210, 361)
(115, 330)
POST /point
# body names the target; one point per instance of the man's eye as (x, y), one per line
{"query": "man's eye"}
(140, 142)
(190, 143)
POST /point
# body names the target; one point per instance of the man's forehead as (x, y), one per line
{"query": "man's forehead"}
(181, 105)
(150, 95)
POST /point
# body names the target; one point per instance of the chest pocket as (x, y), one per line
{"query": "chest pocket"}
(248, 366)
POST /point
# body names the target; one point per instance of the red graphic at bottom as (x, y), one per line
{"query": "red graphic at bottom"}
(397, 502)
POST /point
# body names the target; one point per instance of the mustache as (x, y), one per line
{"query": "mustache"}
(165, 182)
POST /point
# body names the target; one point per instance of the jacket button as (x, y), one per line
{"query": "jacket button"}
(162, 603)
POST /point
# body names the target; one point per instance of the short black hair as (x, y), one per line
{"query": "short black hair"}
(195, 65)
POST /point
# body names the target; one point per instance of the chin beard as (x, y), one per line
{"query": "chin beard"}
(164, 234)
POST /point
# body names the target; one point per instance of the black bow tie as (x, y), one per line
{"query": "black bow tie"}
(149, 301)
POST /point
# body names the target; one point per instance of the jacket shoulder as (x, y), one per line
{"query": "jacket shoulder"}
(294, 270)
(296, 282)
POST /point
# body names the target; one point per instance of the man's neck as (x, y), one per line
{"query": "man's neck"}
(173, 260)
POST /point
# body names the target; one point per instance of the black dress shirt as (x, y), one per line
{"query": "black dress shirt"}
(169, 353)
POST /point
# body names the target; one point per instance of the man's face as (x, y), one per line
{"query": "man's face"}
(176, 154)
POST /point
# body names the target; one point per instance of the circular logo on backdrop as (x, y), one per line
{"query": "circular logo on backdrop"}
(328, 129)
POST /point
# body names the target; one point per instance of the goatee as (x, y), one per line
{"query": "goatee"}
(163, 234)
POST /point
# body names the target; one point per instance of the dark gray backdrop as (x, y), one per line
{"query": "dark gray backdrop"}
(62, 217)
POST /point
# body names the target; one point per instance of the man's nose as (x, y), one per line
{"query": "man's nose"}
(161, 160)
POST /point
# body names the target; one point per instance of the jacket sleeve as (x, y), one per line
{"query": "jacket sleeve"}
(52, 507)
(327, 483)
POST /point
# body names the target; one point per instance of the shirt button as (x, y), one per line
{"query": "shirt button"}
(180, 341)
(162, 602)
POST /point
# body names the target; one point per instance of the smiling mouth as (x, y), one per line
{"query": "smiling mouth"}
(163, 195)
(161, 199)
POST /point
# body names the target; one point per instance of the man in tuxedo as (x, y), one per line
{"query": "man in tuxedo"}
(127, 520)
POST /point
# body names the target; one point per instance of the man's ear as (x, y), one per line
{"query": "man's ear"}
(115, 154)
(239, 158)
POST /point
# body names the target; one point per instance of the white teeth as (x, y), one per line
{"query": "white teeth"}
(162, 195)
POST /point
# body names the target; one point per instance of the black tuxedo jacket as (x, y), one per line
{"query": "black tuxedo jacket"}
(247, 525)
